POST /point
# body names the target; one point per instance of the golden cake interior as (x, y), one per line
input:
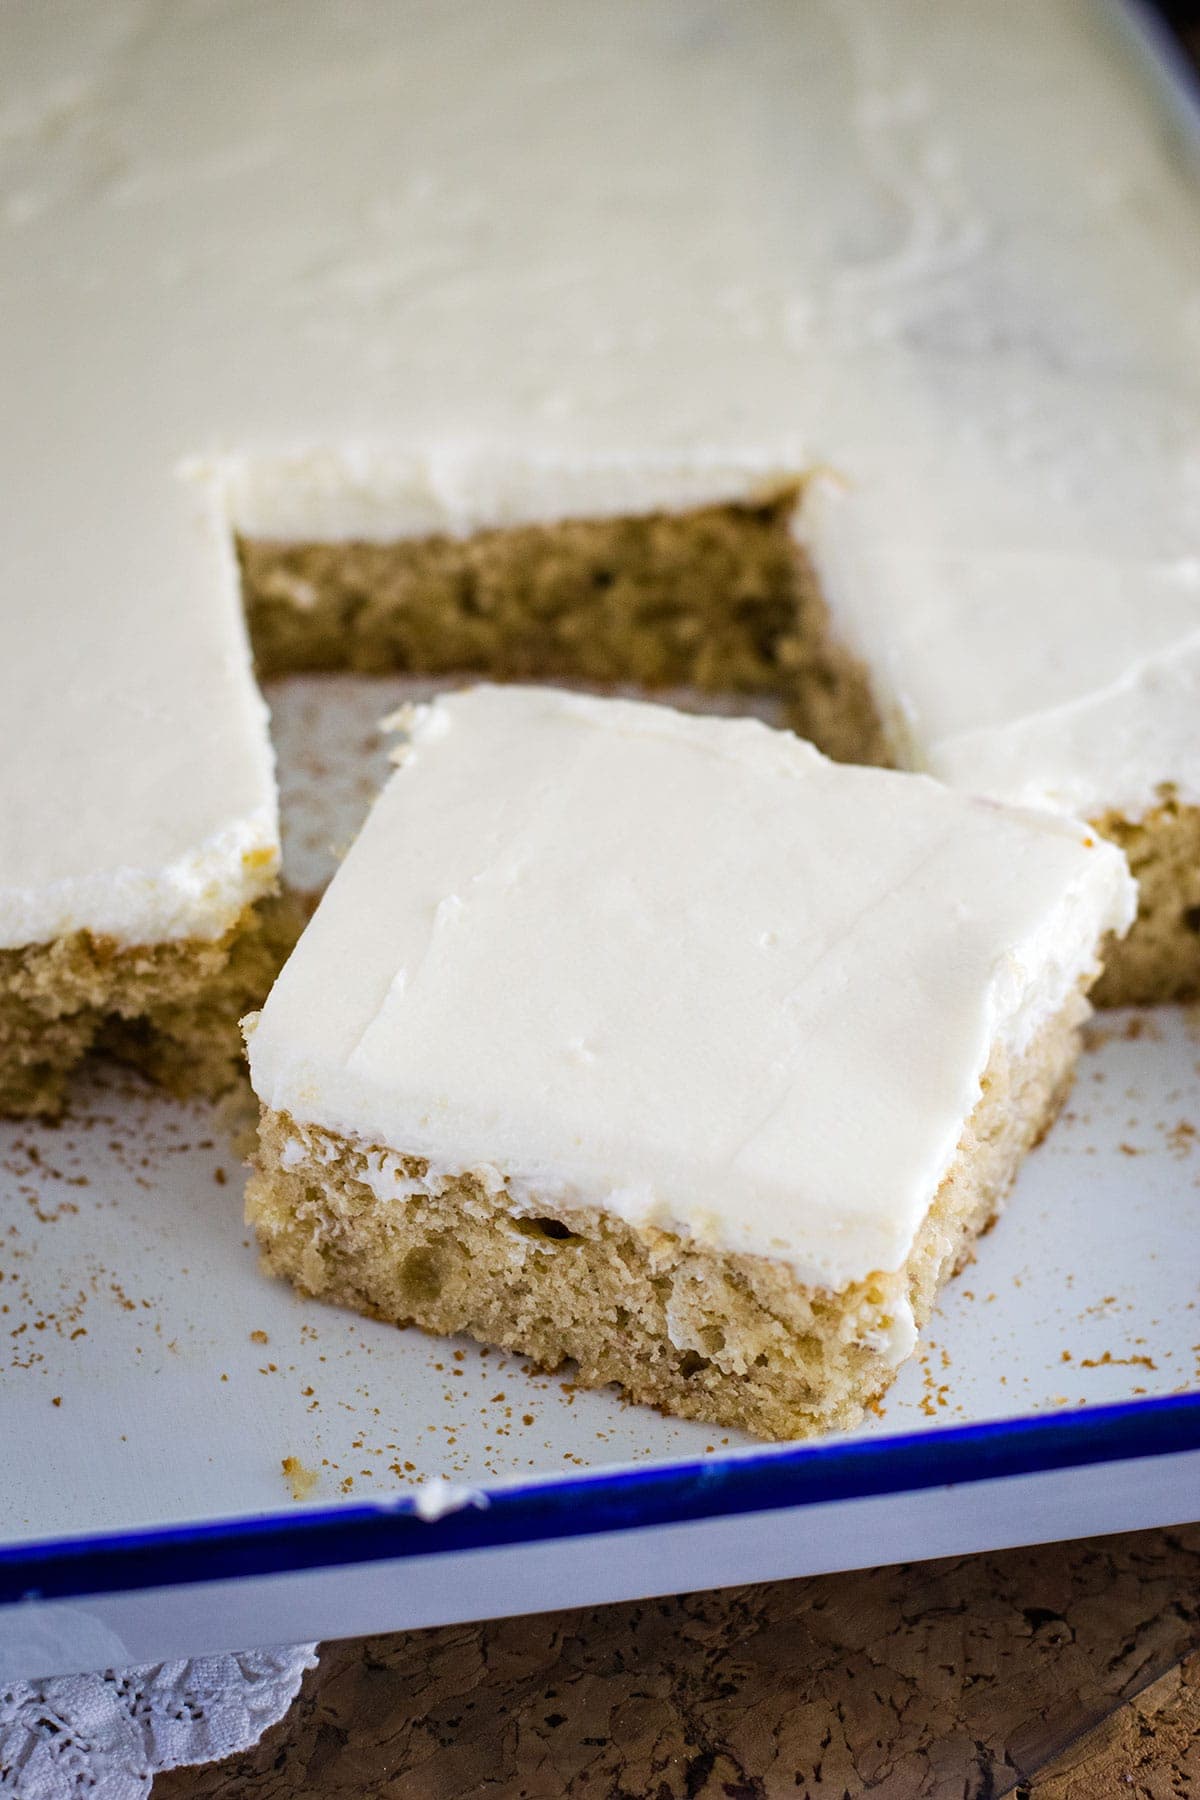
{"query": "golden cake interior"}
(169, 1009)
(719, 599)
(732, 1339)
(1160, 959)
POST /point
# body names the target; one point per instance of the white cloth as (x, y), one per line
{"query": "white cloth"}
(107, 1736)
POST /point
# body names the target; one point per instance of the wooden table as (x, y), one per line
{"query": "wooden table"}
(1067, 1672)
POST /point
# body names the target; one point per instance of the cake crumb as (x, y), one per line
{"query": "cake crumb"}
(1181, 1137)
(301, 1480)
(1108, 1360)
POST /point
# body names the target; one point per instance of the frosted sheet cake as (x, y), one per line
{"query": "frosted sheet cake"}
(749, 346)
(667, 1046)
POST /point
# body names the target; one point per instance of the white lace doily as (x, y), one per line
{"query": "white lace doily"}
(107, 1736)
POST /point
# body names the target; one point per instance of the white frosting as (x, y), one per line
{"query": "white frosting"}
(681, 968)
(1043, 655)
(337, 269)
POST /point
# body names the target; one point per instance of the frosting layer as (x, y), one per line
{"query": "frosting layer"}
(681, 968)
(302, 269)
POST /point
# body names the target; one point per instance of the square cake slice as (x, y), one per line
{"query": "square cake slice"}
(664, 1045)
(139, 833)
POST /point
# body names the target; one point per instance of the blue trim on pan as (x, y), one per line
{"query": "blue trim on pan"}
(624, 1500)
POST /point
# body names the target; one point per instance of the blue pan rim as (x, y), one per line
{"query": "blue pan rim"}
(597, 1502)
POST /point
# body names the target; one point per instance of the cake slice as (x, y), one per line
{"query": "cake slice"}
(664, 1045)
(139, 839)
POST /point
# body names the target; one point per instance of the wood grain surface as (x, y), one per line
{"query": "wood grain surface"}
(1066, 1672)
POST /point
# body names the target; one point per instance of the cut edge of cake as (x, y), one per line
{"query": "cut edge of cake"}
(718, 597)
(1160, 958)
(734, 1340)
(170, 1008)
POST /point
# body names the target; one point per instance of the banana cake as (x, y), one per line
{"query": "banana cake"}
(665, 1045)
